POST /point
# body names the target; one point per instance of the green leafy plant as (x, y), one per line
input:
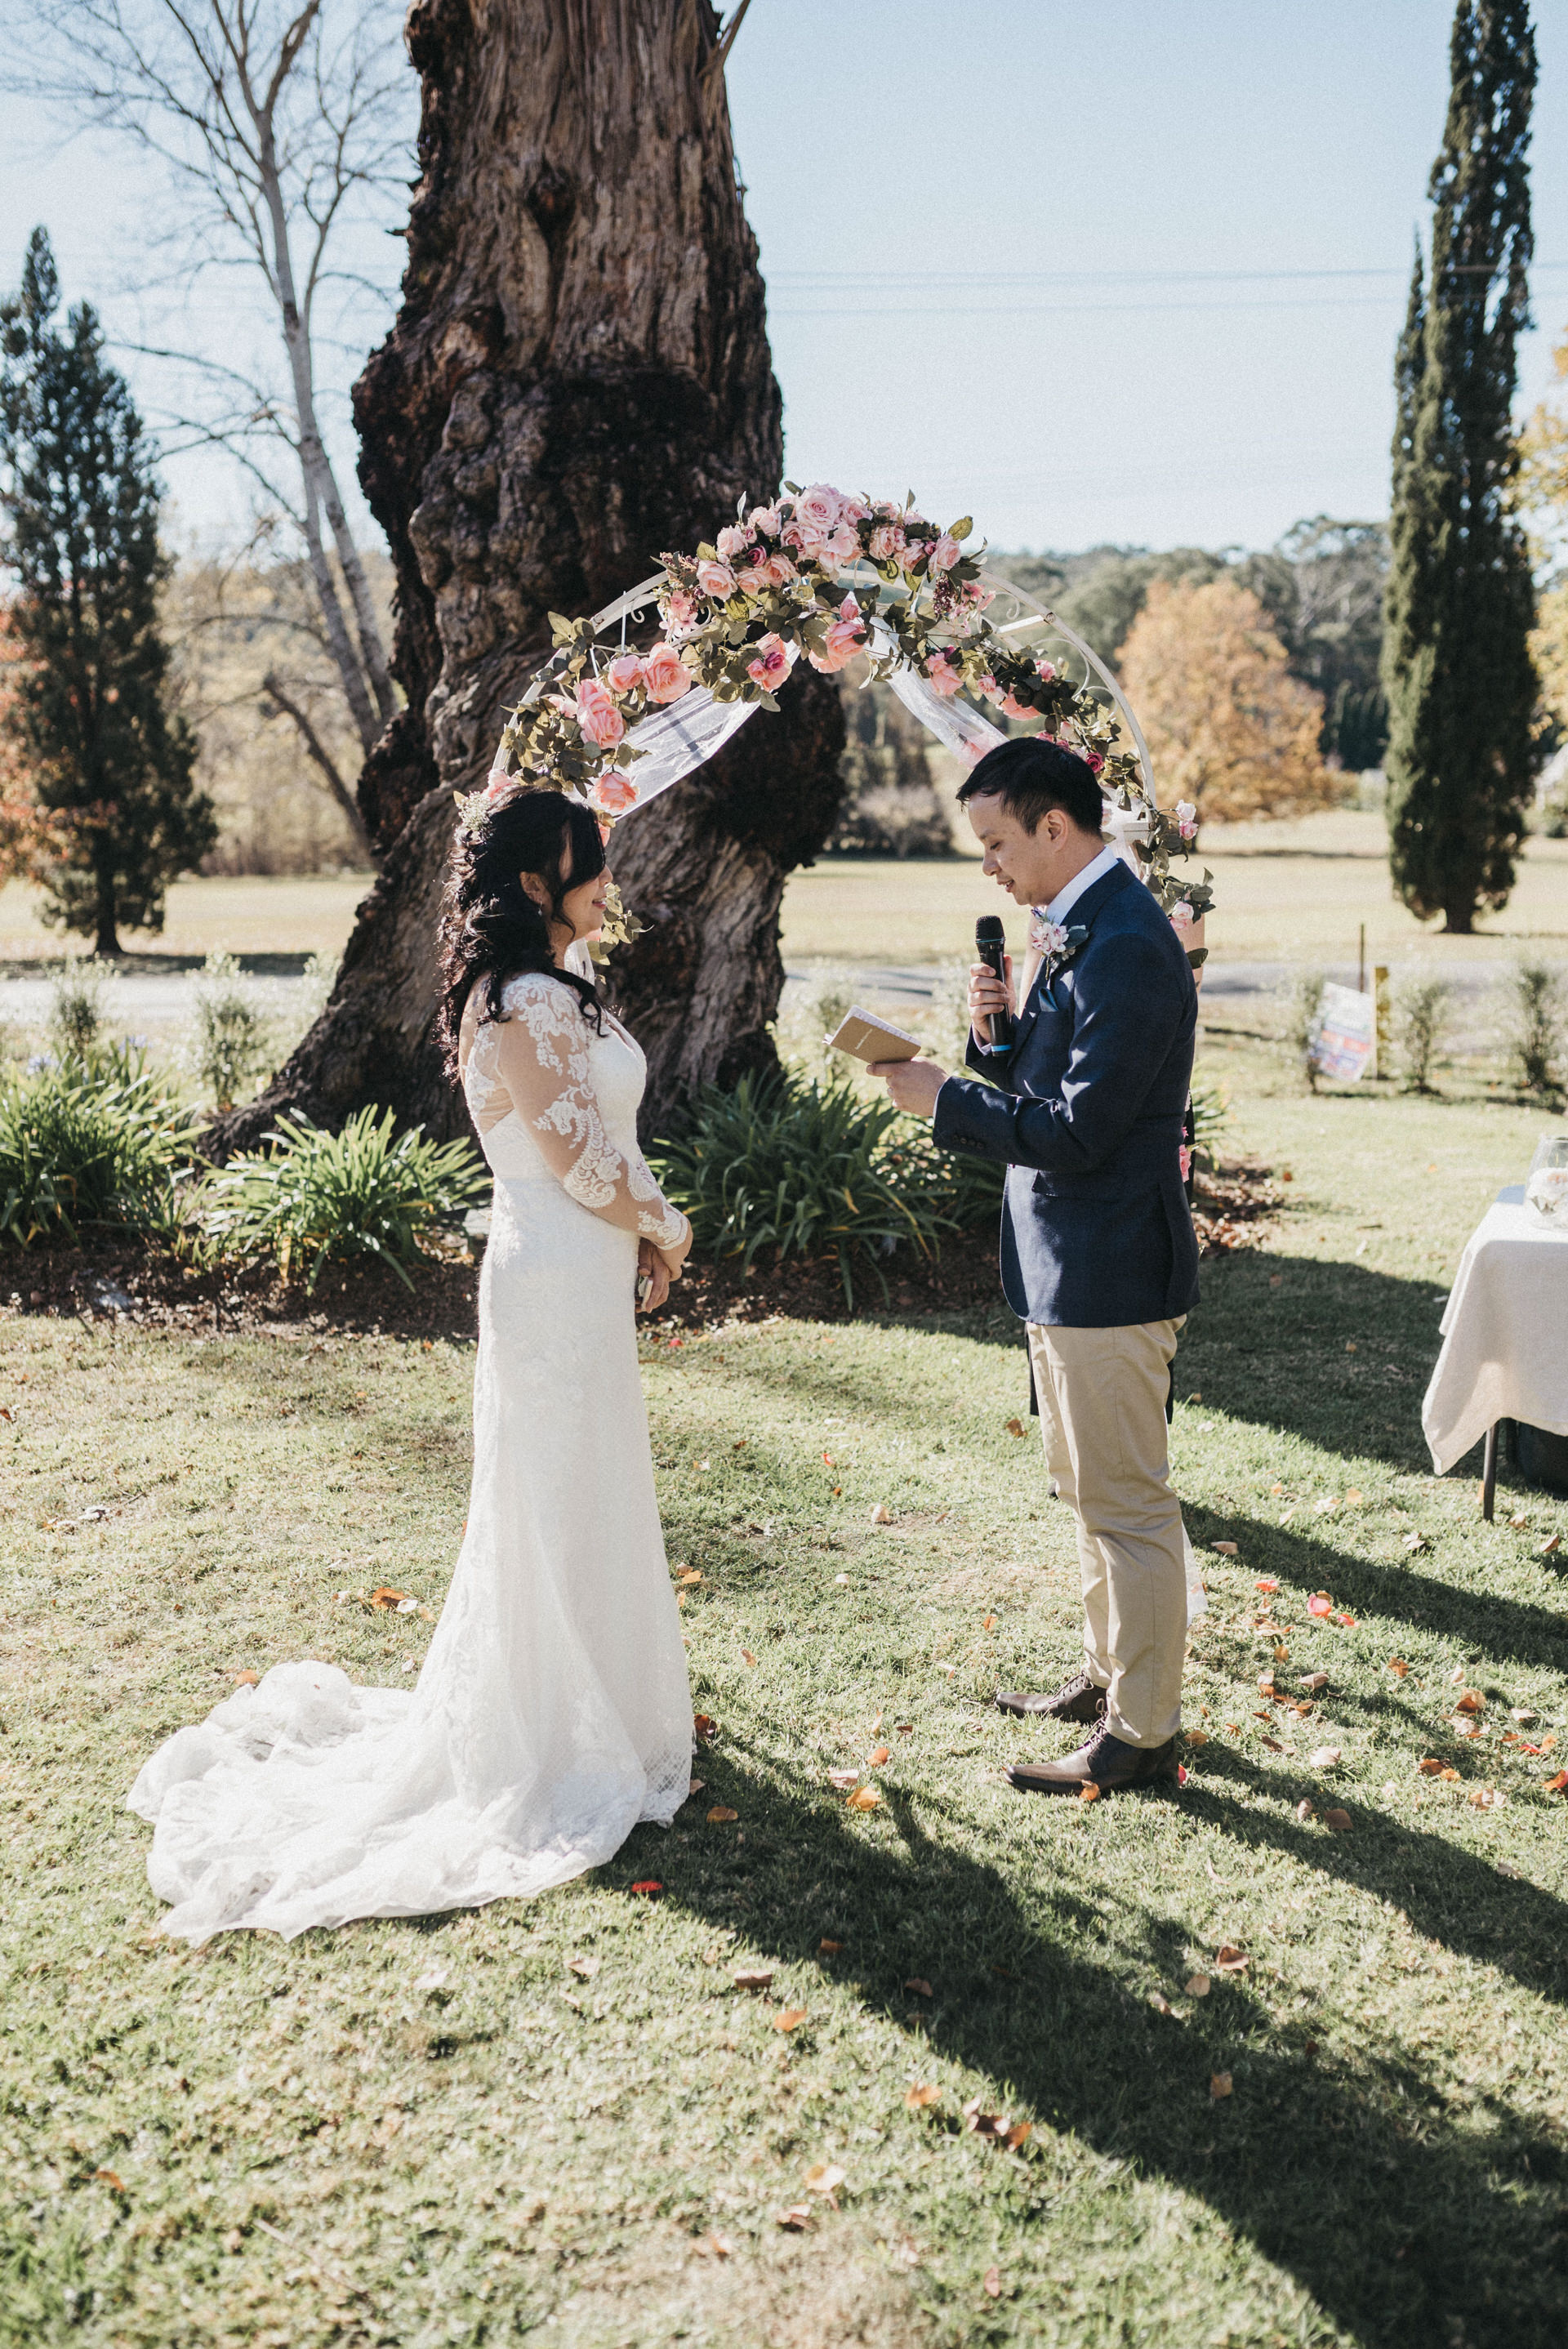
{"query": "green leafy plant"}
(1420, 1015)
(78, 1149)
(1537, 1040)
(76, 1009)
(1304, 1008)
(231, 1038)
(807, 1169)
(311, 1196)
(1211, 1116)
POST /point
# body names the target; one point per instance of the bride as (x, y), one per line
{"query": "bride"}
(552, 1711)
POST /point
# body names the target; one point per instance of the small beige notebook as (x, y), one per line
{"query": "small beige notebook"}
(870, 1038)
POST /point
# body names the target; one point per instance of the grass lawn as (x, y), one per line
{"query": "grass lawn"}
(248, 915)
(565, 2119)
(1286, 893)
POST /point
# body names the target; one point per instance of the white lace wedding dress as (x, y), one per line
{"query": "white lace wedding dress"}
(553, 1710)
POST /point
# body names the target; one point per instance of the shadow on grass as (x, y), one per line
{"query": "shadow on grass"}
(1483, 1621)
(1397, 2215)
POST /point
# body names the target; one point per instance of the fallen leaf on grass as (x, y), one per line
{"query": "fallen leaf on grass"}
(1272, 1744)
(574, 2003)
(992, 2125)
(1229, 1959)
(843, 1779)
(1197, 1985)
(823, 2178)
(830, 1948)
(919, 1986)
(1266, 1584)
(1225, 1548)
(1558, 1785)
(695, 1787)
(1305, 1810)
(791, 2017)
(704, 1726)
(386, 1600)
(1324, 1757)
(1315, 1681)
(721, 1815)
(991, 2283)
(1319, 1605)
(1414, 1541)
(1398, 1667)
(585, 1968)
(693, 1574)
(904, 1728)
(797, 2218)
(1548, 1547)
(864, 1799)
(877, 1756)
(918, 2097)
(880, 1514)
(718, 2247)
(246, 1679)
(1088, 1791)
(1472, 1701)
(1524, 1713)
(1014, 1427)
(1159, 2002)
(989, 1624)
(650, 1885)
(1197, 1737)
(1464, 1725)
(1340, 1821)
(1487, 1798)
(752, 1977)
(748, 1658)
(1220, 2084)
(1353, 1500)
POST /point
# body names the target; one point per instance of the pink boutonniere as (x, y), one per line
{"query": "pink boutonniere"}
(1055, 943)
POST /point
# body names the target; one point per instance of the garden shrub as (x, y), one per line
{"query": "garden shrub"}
(311, 1196)
(79, 1148)
(76, 1009)
(232, 1040)
(1420, 1015)
(811, 1170)
(1537, 1039)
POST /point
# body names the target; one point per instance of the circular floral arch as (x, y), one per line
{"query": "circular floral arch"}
(828, 578)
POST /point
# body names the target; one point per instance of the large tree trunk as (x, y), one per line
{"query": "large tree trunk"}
(579, 379)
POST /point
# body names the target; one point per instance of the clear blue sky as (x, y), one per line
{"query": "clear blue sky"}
(1130, 271)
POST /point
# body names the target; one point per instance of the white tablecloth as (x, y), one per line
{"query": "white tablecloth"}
(1505, 1333)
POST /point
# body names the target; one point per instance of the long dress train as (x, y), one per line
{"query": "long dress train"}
(552, 1711)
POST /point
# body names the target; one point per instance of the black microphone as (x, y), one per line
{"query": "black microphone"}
(991, 949)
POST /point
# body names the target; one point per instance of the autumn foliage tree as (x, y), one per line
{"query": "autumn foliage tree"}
(1229, 728)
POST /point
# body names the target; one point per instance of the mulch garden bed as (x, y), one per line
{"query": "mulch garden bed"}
(120, 1280)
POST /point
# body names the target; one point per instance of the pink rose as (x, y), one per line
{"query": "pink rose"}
(1046, 669)
(779, 570)
(715, 579)
(1186, 819)
(845, 637)
(769, 664)
(598, 720)
(887, 542)
(914, 553)
(1013, 708)
(732, 542)
(663, 673)
(680, 610)
(1181, 915)
(1185, 1154)
(945, 553)
(818, 510)
(614, 793)
(496, 781)
(751, 578)
(974, 593)
(625, 673)
(945, 675)
(766, 520)
(842, 543)
(1094, 763)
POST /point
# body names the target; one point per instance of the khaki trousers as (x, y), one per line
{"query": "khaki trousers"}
(1102, 1395)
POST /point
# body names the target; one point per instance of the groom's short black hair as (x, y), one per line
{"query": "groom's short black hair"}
(1029, 775)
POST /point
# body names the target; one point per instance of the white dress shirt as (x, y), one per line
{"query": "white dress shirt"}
(1068, 896)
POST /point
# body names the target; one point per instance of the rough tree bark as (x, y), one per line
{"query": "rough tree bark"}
(579, 377)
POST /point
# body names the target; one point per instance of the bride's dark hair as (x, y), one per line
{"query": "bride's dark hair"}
(491, 928)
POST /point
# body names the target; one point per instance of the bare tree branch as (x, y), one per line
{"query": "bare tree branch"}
(317, 751)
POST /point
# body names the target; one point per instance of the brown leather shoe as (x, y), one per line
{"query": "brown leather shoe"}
(1107, 1762)
(1079, 1699)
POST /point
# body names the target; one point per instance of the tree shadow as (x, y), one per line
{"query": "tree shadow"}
(1398, 2216)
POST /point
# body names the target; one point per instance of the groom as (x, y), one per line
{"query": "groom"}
(1099, 1255)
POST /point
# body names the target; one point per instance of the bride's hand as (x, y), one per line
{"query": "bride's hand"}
(652, 1268)
(674, 1259)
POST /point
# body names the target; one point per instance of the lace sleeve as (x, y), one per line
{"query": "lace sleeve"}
(541, 1058)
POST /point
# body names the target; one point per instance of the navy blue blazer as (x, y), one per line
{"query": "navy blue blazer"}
(1087, 1111)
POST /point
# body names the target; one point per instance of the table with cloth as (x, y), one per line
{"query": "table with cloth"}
(1505, 1338)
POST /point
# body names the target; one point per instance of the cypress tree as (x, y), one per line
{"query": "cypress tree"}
(91, 715)
(1461, 601)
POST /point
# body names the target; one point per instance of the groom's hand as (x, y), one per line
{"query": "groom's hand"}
(914, 1085)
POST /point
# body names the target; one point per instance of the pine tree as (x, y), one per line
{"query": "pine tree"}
(1460, 599)
(91, 714)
